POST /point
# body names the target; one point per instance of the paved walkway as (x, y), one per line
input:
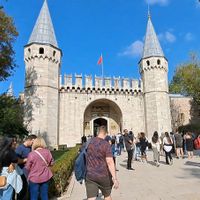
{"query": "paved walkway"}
(181, 181)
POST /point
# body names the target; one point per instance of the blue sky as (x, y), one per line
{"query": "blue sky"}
(85, 28)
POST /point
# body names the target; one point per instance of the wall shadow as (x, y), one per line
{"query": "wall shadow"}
(31, 99)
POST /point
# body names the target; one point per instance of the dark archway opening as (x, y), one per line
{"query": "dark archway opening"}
(97, 123)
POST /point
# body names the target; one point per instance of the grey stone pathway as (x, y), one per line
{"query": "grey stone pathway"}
(181, 181)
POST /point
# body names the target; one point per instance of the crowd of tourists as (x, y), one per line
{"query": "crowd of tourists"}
(102, 152)
(25, 172)
(24, 168)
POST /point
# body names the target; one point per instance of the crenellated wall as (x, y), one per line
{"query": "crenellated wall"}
(109, 84)
(85, 98)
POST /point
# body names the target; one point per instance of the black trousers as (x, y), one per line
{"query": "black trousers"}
(24, 192)
(130, 156)
(168, 156)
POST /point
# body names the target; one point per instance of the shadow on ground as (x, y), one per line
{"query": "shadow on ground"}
(163, 163)
(123, 165)
(194, 172)
(151, 163)
(190, 163)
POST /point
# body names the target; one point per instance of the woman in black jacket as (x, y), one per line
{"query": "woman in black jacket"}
(7, 159)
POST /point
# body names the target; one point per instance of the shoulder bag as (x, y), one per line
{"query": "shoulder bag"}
(39, 154)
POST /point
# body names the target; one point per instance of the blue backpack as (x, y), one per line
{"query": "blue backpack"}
(80, 164)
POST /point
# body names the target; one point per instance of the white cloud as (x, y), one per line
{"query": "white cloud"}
(189, 37)
(167, 37)
(134, 50)
(160, 2)
(197, 4)
(170, 37)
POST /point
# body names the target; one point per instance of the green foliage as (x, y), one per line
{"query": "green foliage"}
(57, 154)
(8, 34)
(194, 128)
(186, 80)
(62, 171)
(11, 117)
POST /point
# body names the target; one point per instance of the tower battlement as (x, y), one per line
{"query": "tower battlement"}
(96, 83)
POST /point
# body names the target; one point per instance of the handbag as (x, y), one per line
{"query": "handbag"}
(3, 181)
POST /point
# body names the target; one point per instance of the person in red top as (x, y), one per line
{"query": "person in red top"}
(101, 173)
(37, 166)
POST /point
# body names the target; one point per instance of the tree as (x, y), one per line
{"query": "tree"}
(11, 116)
(8, 35)
(186, 80)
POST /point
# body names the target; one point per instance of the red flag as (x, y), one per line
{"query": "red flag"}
(100, 61)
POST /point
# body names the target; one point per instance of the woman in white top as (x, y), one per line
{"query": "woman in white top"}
(155, 142)
(167, 145)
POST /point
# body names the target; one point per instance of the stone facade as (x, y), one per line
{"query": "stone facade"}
(183, 111)
(64, 108)
(121, 105)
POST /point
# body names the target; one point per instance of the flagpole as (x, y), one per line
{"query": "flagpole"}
(102, 68)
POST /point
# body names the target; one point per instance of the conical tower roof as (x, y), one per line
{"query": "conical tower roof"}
(151, 45)
(10, 90)
(43, 31)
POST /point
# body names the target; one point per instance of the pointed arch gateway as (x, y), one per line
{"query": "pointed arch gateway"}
(102, 112)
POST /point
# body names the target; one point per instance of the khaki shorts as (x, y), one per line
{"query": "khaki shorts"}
(93, 187)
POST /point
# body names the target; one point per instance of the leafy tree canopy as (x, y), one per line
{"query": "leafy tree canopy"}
(186, 79)
(11, 117)
(8, 34)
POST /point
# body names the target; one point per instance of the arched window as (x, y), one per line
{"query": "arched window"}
(29, 50)
(158, 62)
(148, 62)
(54, 53)
(41, 50)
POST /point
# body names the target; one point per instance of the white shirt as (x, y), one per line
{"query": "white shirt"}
(156, 145)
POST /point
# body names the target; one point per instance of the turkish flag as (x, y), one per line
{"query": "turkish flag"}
(100, 61)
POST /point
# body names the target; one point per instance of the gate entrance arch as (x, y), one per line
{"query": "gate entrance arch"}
(102, 112)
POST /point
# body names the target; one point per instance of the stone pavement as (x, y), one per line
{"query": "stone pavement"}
(181, 181)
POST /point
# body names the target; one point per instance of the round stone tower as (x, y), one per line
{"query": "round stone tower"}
(42, 59)
(154, 74)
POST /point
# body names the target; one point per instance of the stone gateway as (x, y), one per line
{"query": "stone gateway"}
(63, 110)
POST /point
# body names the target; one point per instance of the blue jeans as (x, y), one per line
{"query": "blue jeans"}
(6, 194)
(38, 190)
(119, 149)
(137, 153)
